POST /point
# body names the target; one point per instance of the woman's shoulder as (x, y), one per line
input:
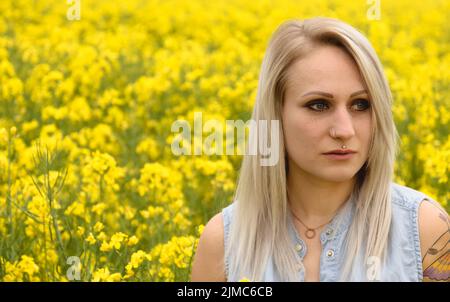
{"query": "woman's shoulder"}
(429, 224)
(434, 230)
(208, 262)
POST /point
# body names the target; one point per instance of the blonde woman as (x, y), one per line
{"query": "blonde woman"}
(329, 210)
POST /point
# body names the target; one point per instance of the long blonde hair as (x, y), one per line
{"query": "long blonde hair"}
(260, 229)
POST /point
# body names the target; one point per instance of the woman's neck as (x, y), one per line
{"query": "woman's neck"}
(314, 200)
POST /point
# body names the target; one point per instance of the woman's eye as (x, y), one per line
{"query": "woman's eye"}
(362, 104)
(318, 105)
(322, 105)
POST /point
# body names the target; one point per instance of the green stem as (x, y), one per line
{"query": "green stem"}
(8, 194)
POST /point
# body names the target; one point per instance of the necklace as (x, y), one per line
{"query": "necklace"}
(310, 233)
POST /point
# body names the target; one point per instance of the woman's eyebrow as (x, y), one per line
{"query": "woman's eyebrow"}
(329, 95)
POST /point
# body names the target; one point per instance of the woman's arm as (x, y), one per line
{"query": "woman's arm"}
(208, 262)
(434, 228)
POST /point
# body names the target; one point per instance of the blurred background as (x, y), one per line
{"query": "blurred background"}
(89, 187)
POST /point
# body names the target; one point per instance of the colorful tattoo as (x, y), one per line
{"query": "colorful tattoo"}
(438, 254)
(439, 269)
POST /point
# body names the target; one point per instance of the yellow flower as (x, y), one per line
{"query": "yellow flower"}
(136, 259)
(29, 126)
(100, 274)
(3, 136)
(27, 265)
(13, 131)
(76, 209)
(79, 110)
(80, 231)
(114, 277)
(103, 274)
(117, 239)
(149, 148)
(200, 229)
(166, 274)
(90, 239)
(99, 208)
(98, 227)
(65, 236)
(178, 251)
(105, 247)
(133, 240)
(101, 236)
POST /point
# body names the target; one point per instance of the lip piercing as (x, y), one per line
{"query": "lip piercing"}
(333, 135)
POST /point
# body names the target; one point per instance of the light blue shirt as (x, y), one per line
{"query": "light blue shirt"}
(403, 261)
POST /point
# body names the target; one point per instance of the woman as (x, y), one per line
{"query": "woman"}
(328, 211)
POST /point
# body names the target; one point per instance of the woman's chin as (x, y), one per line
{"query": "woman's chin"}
(340, 175)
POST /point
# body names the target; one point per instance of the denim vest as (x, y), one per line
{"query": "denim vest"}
(403, 258)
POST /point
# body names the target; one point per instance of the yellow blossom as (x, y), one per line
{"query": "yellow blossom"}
(90, 239)
(133, 240)
(105, 247)
(98, 227)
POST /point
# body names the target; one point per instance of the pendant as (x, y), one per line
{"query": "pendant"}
(310, 233)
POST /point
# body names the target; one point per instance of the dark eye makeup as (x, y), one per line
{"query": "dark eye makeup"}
(319, 105)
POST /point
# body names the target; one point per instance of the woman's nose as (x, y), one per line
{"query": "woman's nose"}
(343, 124)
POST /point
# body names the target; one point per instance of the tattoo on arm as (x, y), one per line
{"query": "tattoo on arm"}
(438, 255)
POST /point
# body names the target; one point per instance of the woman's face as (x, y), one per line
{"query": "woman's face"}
(324, 91)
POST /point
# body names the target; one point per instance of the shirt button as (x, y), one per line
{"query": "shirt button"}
(298, 247)
(330, 253)
(329, 232)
